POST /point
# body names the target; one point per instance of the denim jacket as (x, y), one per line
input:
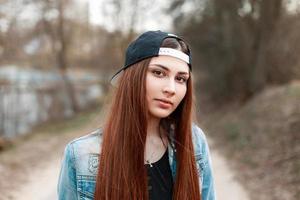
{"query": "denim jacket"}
(78, 173)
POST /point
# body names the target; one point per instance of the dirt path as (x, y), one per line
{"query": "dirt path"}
(40, 178)
(226, 185)
(42, 185)
(30, 169)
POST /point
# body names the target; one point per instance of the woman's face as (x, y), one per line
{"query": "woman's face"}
(166, 85)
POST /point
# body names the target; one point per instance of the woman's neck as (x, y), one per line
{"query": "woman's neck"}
(154, 134)
(155, 143)
(153, 127)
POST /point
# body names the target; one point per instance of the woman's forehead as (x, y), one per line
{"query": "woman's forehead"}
(172, 63)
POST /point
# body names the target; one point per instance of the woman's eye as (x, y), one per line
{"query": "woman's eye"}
(181, 79)
(157, 73)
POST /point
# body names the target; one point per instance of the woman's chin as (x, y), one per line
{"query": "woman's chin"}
(160, 114)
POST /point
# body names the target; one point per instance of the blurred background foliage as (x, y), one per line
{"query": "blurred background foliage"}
(245, 58)
(239, 46)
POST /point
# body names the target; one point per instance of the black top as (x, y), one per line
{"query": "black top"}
(160, 181)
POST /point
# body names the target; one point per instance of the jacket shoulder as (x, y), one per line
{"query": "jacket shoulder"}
(199, 139)
(85, 151)
(90, 138)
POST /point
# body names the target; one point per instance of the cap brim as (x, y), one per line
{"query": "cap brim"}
(115, 79)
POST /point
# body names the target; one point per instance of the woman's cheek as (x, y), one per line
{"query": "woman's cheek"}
(181, 92)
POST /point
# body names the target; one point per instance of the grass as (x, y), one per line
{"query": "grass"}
(260, 138)
(293, 91)
(62, 126)
(55, 127)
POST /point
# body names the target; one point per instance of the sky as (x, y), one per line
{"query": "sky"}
(293, 5)
(154, 19)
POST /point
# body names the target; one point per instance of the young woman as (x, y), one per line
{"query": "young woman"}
(149, 148)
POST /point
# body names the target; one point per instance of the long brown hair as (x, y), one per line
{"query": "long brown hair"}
(121, 172)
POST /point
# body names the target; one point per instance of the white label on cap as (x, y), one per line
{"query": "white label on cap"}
(174, 53)
(172, 35)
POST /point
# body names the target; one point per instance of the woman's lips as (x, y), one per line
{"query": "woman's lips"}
(163, 104)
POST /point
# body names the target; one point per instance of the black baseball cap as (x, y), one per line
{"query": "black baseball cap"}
(148, 45)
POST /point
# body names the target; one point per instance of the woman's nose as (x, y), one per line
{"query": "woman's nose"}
(170, 88)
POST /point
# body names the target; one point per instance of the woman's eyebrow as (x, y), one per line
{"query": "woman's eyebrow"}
(167, 69)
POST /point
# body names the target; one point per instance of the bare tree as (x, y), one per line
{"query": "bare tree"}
(270, 12)
(60, 35)
(62, 53)
(9, 34)
(126, 16)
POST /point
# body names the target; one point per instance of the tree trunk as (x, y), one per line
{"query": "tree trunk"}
(62, 58)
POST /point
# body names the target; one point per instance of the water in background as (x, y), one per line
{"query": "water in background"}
(29, 97)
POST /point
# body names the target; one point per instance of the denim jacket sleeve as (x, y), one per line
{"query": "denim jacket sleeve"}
(66, 188)
(204, 164)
